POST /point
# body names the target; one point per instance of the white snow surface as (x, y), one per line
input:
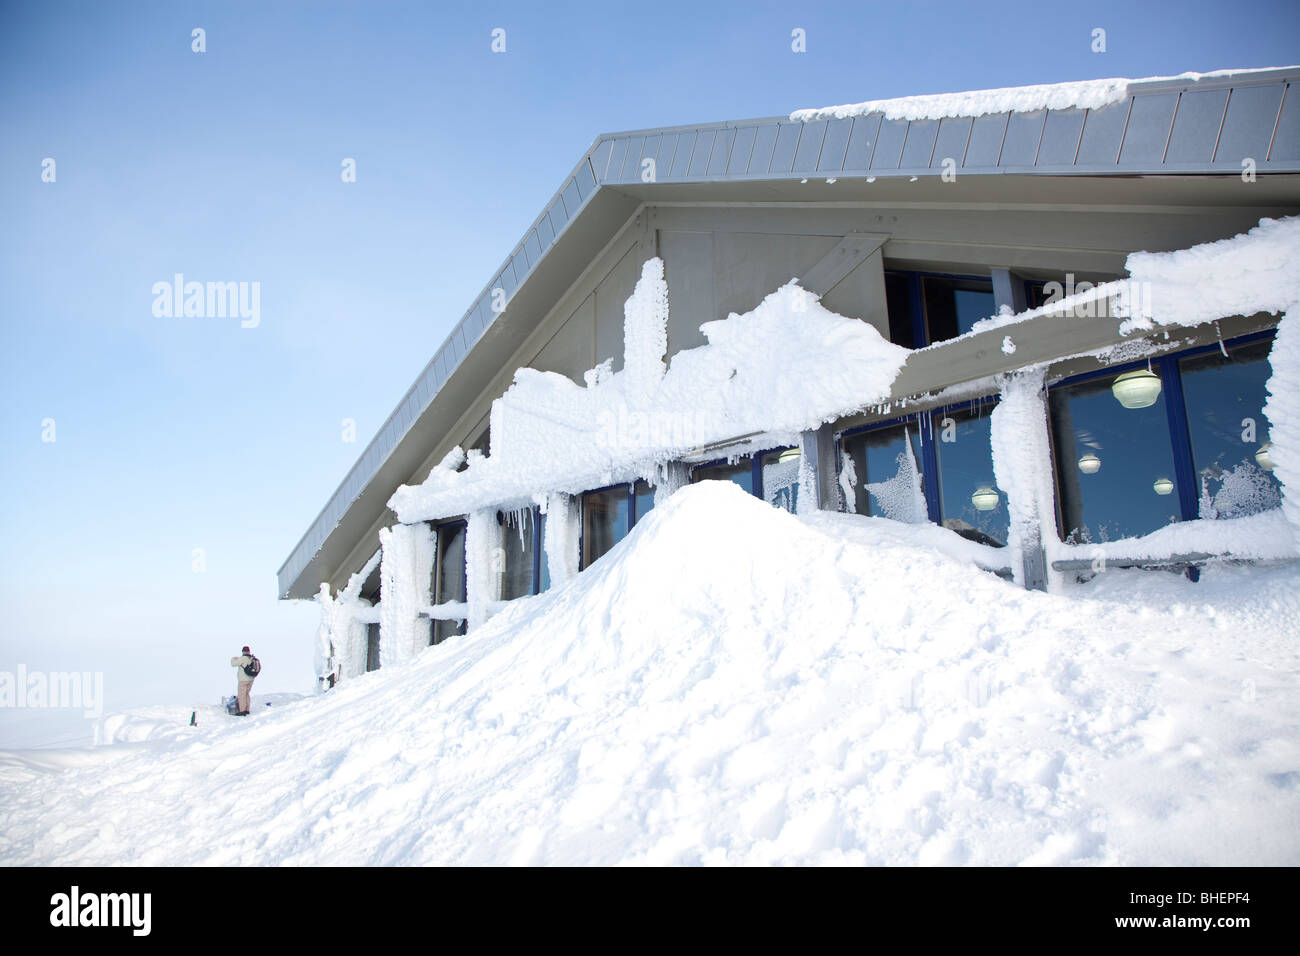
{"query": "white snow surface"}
(1244, 274)
(788, 365)
(1081, 94)
(732, 684)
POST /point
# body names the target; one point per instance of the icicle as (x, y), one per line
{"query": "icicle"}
(1219, 333)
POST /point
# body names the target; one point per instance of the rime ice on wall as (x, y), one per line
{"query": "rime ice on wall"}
(341, 638)
(786, 367)
(1283, 413)
(1022, 467)
(645, 330)
(1248, 273)
(484, 557)
(563, 530)
(1257, 271)
(405, 570)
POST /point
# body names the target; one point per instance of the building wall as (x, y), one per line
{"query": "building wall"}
(721, 259)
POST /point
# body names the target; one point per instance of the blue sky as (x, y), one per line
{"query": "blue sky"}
(180, 433)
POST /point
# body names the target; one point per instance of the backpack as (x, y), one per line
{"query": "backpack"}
(253, 667)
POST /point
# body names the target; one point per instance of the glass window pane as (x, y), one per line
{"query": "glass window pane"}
(884, 466)
(952, 306)
(517, 535)
(545, 584)
(1114, 461)
(970, 501)
(1225, 399)
(604, 522)
(645, 499)
(781, 478)
(372, 647)
(742, 473)
(449, 576)
(898, 301)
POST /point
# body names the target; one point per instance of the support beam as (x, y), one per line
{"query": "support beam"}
(819, 488)
(405, 569)
(1022, 467)
(848, 254)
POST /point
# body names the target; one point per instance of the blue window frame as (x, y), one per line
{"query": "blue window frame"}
(449, 578)
(935, 465)
(929, 307)
(771, 474)
(608, 515)
(1124, 456)
(519, 577)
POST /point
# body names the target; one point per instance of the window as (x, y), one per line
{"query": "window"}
(645, 500)
(741, 472)
(516, 573)
(1224, 398)
(970, 501)
(605, 521)
(449, 575)
(898, 301)
(780, 478)
(884, 467)
(953, 306)
(372, 647)
(1115, 469)
(543, 566)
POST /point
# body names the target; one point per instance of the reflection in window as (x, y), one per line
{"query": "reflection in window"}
(645, 499)
(604, 521)
(544, 566)
(516, 575)
(970, 501)
(372, 647)
(449, 576)
(952, 306)
(741, 472)
(1114, 460)
(898, 301)
(882, 466)
(1225, 399)
(781, 478)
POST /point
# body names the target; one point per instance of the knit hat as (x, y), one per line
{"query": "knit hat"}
(246, 650)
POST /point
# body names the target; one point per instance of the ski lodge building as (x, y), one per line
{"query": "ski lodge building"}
(1051, 320)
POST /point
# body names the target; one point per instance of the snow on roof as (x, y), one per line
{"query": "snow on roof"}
(1083, 94)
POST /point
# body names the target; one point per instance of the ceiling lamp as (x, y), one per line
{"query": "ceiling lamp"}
(1163, 486)
(1262, 457)
(1089, 464)
(1138, 389)
(985, 498)
(790, 454)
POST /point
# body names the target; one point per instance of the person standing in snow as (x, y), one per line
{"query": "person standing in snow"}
(247, 667)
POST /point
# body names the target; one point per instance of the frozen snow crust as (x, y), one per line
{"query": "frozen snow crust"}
(732, 684)
(1079, 94)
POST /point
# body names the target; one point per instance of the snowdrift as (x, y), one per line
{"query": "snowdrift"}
(732, 684)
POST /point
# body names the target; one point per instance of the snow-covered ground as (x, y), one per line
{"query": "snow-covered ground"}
(732, 684)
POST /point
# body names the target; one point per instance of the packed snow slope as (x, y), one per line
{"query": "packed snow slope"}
(732, 684)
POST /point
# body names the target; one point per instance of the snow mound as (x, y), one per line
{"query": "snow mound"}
(732, 684)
